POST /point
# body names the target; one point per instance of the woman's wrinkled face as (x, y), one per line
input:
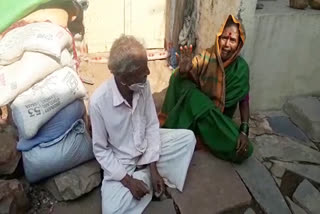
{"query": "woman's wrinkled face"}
(228, 42)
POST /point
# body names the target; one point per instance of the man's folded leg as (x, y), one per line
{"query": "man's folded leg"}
(117, 199)
(177, 147)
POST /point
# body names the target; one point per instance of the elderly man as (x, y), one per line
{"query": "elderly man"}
(137, 157)
(205, 92)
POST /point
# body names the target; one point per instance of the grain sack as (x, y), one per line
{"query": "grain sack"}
(21, 75)
(56, 128)
(43, 37)
(47, 160)
(36, 106)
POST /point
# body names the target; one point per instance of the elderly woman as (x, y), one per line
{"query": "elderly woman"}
(204, 93)
(136, 156)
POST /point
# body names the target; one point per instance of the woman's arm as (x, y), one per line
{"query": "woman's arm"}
(244, 110)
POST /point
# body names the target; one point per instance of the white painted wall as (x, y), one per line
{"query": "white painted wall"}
(106, 20)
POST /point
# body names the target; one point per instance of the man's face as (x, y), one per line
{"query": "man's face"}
(228, 42)
(140, 75)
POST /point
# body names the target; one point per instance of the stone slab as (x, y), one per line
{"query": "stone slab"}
(160, 207)
(212, 186)
(278, 181)
(262, 186)
(311, 172)
(294, 207)
(284, 126)
(305, 112)
(308, 197)
(89, 203)
(285, 149)
(78, 181)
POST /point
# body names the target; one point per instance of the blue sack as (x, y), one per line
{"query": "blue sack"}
(46, 160)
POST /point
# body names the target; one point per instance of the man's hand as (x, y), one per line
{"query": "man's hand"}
(137, 187)
(185, 60)
(157, 180)
(242, 145)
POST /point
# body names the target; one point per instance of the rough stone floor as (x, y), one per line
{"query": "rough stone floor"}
(283, 175)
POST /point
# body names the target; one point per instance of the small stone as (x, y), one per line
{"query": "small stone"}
(267, 164)
(9, 156)
(277, 170)
(285, 149)
(262, 127)
(249, 211)
(13, 198)
(308, 197)
(262, 186)
(72, 184)
(311, 172)
(294, 207)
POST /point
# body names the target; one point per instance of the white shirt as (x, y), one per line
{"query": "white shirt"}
(121, 134)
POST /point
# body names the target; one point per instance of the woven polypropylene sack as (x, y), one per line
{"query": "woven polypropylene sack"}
(34, 107)
(43, 37)
(56, 127)
(21, 75)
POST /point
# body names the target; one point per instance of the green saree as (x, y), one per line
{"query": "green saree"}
(186, 106)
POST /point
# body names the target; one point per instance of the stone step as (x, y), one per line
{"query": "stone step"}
(305, 113)
(160, 207)
(308, 197)
(272, 147)
(212, 186)
(262, 186)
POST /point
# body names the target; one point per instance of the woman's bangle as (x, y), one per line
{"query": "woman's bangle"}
(244, 127)
(244, 134)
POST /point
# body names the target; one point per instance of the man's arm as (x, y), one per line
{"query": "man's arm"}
(152, 153)
(152, 132)
(113, 169)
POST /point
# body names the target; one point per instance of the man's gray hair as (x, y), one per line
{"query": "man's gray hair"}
(123, 55)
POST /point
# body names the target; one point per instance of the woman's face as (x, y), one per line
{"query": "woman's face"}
(228, 42)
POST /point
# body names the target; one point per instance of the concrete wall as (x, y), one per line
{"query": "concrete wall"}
(174, 21)
(282, 47)
(211, 14)
(283, 54)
